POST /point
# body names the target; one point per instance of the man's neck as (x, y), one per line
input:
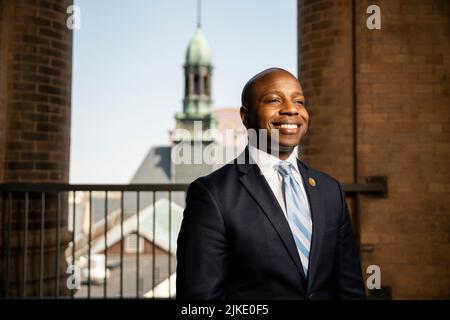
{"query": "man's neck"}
(285, 155)
(282, 153)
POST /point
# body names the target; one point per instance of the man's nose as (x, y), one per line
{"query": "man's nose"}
(289, 108)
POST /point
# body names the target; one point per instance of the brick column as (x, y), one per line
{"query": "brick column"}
(402, 129)
(35, 86)
(325, 69)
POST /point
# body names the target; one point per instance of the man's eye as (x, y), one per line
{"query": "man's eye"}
(273, 100)
(299, 102)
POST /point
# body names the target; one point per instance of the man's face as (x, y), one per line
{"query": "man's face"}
(276, 101)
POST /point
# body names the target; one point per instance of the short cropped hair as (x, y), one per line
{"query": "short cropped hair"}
(247, 90)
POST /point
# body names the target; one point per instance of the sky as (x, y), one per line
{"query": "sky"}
(128, 61)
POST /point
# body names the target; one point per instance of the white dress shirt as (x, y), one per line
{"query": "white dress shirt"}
(266, 163)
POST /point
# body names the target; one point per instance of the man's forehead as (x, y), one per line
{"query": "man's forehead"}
(276, 78)
(265, 78)
(272, 74)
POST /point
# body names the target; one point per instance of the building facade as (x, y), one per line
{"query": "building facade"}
(379, 105)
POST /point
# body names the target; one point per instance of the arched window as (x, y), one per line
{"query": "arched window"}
(196, 84)
(186, 85)
(206, 85)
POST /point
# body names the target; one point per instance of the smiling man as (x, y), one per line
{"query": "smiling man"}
(268, 226)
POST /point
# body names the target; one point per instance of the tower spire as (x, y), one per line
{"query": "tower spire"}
(199, 13)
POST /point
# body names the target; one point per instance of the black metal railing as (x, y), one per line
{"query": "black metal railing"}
(58, 202)
(35, 218)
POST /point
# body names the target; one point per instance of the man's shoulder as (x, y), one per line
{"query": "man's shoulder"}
(323, 178)
(226, 177)
(219, 178)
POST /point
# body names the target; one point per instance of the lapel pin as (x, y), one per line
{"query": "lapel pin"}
(312, 182)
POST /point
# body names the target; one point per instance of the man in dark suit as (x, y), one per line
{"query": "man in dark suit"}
(268, 226)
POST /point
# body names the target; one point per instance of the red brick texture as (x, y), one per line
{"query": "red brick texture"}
(36, 91)
(402, 128)
(325, 72)
(148, 249)
(35, 103)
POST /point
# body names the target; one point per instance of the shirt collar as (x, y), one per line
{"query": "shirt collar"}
(265, 160)
(293, 159)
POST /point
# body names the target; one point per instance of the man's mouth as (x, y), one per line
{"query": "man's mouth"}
(287, 128)
(286, 125)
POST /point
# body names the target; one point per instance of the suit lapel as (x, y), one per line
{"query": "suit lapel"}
(255, 183)
(317, 216)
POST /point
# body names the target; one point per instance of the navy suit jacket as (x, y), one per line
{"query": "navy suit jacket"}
(235, 242)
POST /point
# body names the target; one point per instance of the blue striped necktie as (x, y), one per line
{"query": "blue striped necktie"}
(298, 216)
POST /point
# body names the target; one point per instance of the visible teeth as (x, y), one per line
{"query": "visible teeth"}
(287, 126)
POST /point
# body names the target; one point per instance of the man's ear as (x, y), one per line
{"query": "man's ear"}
(244, 115)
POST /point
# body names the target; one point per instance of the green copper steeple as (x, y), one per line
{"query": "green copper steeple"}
(198, 75)
(198, 52)
(197, 102)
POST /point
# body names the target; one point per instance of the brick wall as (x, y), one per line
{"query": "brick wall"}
(148, 249)
(402, 117)
(2, 91)
(403, 132)
(35, 102)
(325, 72)
(38, 92)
